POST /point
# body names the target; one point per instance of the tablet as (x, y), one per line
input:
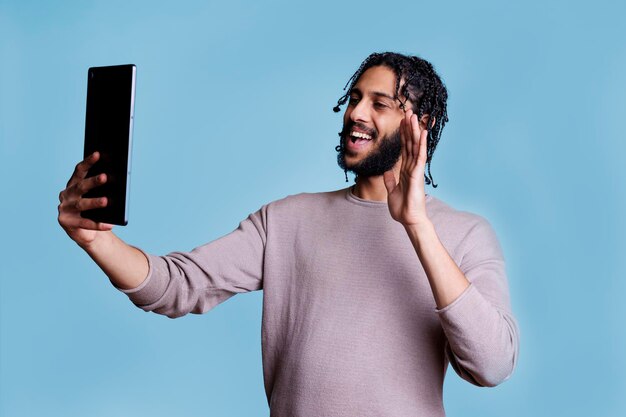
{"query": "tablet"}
(109, 130)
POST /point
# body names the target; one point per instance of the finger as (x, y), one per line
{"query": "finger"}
(81, 204)
(101, 226)
(423, 151)
(390, 181)
(409, 143)
(407, 134)
(73, 222)
(403, 140)
(81, 169)
(85, 185)
(415, 134)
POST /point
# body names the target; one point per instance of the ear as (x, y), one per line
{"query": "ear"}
(425, 119)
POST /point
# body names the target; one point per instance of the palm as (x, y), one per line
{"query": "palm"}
(406, 199)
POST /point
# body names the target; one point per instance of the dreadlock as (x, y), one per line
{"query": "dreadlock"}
(417, 81)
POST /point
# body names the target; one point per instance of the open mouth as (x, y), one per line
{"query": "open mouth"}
(359, 137)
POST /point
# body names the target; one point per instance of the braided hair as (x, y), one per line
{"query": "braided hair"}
(417, 81)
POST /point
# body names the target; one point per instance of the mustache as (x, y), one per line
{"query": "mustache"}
(347, 128)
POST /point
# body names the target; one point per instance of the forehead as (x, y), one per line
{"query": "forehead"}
(377, 79)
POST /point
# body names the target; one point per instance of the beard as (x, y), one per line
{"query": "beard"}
(381, 158)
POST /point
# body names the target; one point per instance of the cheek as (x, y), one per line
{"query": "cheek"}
(346, 116)
(392, 126)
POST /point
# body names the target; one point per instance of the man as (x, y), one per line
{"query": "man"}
(368, 292)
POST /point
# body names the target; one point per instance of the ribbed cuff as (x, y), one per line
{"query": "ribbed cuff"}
(154, 286)
(458, 300)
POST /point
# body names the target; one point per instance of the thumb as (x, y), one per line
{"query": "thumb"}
(104, 227)
(390, 181)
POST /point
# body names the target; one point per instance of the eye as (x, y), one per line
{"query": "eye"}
(380, 105)
(353, 100)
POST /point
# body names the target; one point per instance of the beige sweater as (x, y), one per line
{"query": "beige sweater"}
(350, 326)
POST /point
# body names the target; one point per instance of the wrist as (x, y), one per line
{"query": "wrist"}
(419, 231)
(419, 226)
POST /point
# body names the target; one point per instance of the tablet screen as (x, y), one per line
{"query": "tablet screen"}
(108, 130)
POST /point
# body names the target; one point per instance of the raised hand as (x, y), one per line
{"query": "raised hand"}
(406, 198)
(82, 231)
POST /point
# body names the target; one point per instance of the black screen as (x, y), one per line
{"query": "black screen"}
(108, 130)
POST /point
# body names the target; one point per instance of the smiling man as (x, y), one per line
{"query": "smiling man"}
(369, 292)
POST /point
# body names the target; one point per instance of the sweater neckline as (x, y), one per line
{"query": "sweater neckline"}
(352, 198)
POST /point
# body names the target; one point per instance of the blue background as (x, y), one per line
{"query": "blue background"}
(233, 110)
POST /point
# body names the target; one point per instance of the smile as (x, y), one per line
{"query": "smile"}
(354, 136)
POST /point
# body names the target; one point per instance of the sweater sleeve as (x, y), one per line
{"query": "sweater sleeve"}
(482, 335)
(196, 281)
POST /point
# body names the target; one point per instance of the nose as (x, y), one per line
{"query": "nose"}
(360, 112)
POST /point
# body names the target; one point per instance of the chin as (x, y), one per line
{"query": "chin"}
(352, 160)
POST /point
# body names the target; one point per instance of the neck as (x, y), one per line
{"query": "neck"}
(370, 188)
(373, 188)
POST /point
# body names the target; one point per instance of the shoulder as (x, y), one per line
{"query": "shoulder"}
(294, 212)
(448, 217)
(307, 202)
(461, 230)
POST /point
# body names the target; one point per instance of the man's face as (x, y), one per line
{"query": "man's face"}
(370, 134)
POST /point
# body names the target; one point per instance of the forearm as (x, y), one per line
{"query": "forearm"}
(479, 327)
(446, 280)
(196, 281)
(126, 266)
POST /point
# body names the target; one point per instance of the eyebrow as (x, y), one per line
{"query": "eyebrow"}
(381, 94)
(375, 93)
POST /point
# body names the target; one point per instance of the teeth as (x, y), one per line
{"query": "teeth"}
(361, 135)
